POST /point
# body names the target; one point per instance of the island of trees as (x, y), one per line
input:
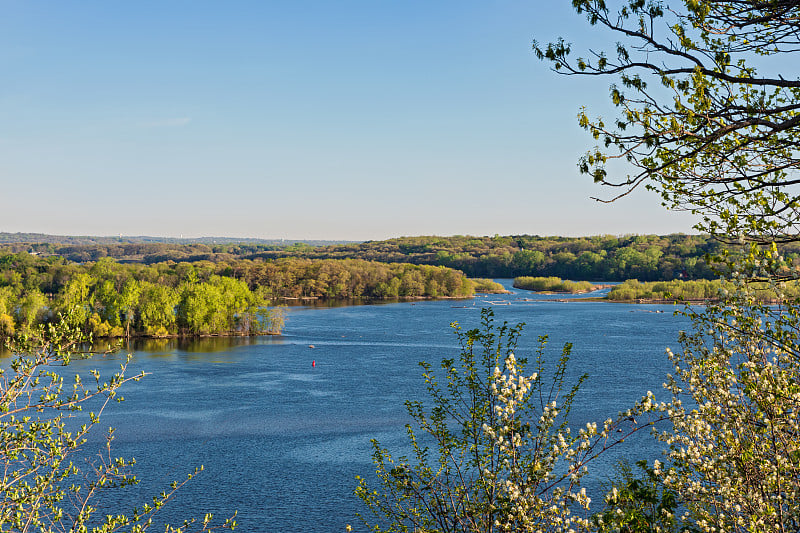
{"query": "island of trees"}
(554, 284)
(109, 298)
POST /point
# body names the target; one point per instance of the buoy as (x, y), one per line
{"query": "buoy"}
(310, 345)
(313, 364)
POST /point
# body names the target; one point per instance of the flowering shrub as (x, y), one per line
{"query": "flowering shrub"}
(494, 452)
(734, 448)
(732, 456)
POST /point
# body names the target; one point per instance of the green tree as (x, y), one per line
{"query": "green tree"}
(7, 327)
(240, 304)
(73, 300)
(128, 302)
(526, 262)
(106, 302)
(29, 309)
(200, 309)
(157, 304)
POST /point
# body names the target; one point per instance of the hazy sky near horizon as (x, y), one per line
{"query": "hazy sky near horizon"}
(305, 119)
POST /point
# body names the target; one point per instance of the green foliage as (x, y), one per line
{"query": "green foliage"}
(733, 449)
(647, 257)
(487, 285)
(6, 326)
(701, 126)
(157, 305)
(42, 488)
(353, 278)
(672, 291)
(552, 284)
(202, 298)
(700, 290)
(109, 299)
(30, 309)
(199, 298)
(638, 504)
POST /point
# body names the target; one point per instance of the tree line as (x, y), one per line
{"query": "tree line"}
(606, 257)
(611, 258)
(704, 289)
(112, 299)
(110, 302)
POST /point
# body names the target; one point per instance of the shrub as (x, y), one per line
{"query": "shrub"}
(42, 489)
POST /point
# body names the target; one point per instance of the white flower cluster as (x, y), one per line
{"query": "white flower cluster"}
(735, 447)
(535, 497)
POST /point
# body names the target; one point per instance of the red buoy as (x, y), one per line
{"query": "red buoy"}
(313, 364)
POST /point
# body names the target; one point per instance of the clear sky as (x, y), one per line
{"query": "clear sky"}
(298, 119)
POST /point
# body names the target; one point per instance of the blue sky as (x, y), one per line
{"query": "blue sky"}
(305, 119)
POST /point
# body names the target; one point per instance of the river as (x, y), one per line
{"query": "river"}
(283, 424)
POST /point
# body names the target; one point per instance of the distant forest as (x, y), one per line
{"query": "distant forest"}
(600, 258)
(43, 238)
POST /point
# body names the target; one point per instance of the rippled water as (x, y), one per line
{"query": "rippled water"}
(282, 440)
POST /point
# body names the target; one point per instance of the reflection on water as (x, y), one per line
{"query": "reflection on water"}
(162, 346)
(199, 344)
(318, 304)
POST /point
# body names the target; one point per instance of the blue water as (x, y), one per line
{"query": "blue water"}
(282, 441)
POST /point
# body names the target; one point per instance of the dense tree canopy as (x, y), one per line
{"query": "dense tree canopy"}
(108, 298)
(605, 257)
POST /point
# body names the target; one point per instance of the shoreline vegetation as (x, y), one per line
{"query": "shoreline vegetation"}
(695, 291)
(111, 299)
(556, 285)
(488, 286)
(479, 287)
(660, 292)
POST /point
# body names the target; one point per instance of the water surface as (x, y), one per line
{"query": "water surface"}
(282, 440)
